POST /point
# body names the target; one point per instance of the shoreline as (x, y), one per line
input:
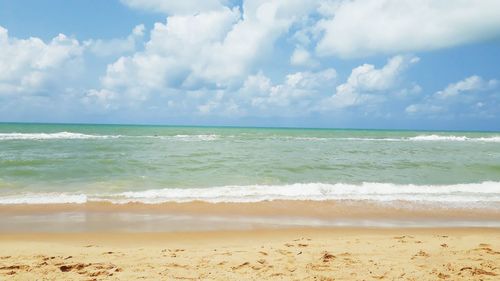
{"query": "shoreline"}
(203, 216)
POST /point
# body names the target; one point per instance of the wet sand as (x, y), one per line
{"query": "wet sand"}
(202, 216)
(266, 254)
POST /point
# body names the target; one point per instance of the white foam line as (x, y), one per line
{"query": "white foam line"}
(50, 136)
(483, 192)
(421, 138)
(80, 136)
(47, 198)
(212, 137)
(467, 194)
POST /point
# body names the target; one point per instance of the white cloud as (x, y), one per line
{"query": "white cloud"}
(302, 57)
(473, 96)
(221, 106)
(470, 84)
(175, 7)
(116, 46)
(362, 28)
(175, 50)
(259, 96)
(297, 94)
(29, 65)
(213, 49)
(102, 98)
(366, 83)
(423, 109)
(251, 38)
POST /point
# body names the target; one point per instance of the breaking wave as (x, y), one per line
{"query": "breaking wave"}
(485, 192)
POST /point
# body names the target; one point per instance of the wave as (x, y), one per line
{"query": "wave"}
(454, 138)
(403, 139)
(195, 137)
(50, 136)
(485, 192)
(79, 136)
(47, 198)
(213, 137)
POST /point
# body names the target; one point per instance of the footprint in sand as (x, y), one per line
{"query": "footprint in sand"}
(421, 254)
(42, 264)
(15, 267)
(284, 252)
(177, 265)
(443, 276)
(70, 267)
(240, 266)
(478, 271)
(91, 269)
(488, 250)
(327, 257)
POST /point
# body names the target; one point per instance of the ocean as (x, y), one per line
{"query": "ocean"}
(59, 163)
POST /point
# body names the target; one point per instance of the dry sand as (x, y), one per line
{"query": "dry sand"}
(278, 254)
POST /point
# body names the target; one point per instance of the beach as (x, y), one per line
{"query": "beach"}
(282, 240)
(249, 140)
(263, 254)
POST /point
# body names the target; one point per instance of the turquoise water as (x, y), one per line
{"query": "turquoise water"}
(78, 163)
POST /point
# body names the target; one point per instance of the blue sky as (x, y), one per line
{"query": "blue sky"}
(322, 63)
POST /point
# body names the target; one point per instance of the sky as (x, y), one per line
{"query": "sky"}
(394, 64)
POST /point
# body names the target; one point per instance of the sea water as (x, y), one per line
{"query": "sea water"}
(57, 163)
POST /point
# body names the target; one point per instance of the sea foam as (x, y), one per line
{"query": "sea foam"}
(213, 137)
(80, 136)
(454, 138)
(485, 192)
(419, 138)
(49, 136)
(47, 198)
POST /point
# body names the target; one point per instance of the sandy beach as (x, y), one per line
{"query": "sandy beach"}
(279, 254)
(280, 240)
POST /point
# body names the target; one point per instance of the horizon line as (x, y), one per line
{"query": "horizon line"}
(246, 127)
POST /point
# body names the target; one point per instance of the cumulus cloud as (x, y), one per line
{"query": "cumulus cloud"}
(362, 28)
(473, 95)
(214, 49)
(30, 65)
(259, 95)
(116, 46)
(366, 83)
(175, 50)
(296, 94)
